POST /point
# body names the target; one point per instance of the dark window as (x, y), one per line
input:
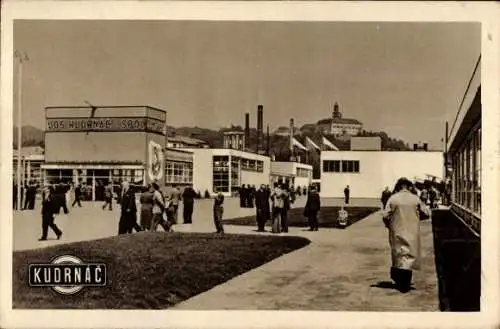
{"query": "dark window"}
(331, 166)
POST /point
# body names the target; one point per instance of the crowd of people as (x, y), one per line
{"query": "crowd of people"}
(429, 192)
(156, 208)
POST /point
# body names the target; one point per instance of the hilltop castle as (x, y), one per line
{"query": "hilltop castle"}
(339, 126)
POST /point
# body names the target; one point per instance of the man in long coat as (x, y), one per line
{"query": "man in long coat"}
(262, 207)
(311, 209)
(188, 196)
(402, 216)
(128, 217)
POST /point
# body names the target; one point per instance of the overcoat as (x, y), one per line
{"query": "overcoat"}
(402, 215)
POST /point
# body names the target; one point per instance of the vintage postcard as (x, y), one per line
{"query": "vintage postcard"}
(250, 164)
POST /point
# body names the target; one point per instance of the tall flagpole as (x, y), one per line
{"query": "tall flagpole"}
(21, 60)
(292, 155)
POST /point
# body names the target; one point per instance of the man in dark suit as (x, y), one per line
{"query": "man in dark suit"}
(128, 217)
(347, 192)
(78, 195)
(243, 198)
(49, 207)
(313, 205)
(262, 207)
(60, 192)
(188, 200)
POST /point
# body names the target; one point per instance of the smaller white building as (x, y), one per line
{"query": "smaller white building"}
(226, 170)
(368, 172)
(291, 173)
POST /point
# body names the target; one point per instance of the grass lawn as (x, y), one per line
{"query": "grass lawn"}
(150, 270)
(327, 217)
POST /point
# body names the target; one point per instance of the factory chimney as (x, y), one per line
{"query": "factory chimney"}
(247, 130)
(260, 123)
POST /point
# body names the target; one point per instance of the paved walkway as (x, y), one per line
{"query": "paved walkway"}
(91, 222)
(336, 272)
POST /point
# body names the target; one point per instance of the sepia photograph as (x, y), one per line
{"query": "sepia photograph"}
(245, 164)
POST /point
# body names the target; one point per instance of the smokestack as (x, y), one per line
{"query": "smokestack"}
(260, 122)
(268, 142)
(247, 130)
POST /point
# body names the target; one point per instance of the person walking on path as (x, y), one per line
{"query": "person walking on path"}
(173, 201)
(30, 196)
(218, 211)
(424, 195)
(402, 216)
(243, 197)
(347, 193)
(146, 201)
(158, 210)
(278, 204)
(49, 208)
(128, 216)
(108, 196)
(262, 207)
(78, 195)
(14, 196)
(313, 206)
(250, 196)
(188, 197)
(60, 191)
(386, 194)
(284, 210)
(292, 195)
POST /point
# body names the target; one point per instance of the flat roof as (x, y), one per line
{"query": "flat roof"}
(106, 107)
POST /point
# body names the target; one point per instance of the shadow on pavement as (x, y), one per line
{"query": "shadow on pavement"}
(388, 285)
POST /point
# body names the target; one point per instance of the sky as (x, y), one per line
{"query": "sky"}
(406, 79)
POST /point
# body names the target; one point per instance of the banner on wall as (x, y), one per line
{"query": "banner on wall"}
(155, 161)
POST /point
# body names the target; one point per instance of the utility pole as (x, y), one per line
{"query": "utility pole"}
(21, 57)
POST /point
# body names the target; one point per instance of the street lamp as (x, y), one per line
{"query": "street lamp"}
(21, 58)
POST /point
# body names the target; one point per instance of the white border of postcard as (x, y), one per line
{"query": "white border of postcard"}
(487, 13)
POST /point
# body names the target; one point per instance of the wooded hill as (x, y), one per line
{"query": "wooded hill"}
(279, 146)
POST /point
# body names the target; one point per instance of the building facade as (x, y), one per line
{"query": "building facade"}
(464, 155)
(226, 170)
(234, 140)
(339, 126)
(457, 229)
(111, 144)
(368, 172)
(32, 159)
(291, 173)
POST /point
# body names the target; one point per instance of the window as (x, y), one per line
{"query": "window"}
(252, 165)
(235, 171)
(220, 174)
(466, 176)
(303, 172)
(178, 172)
(344, 166)
(331, 166)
